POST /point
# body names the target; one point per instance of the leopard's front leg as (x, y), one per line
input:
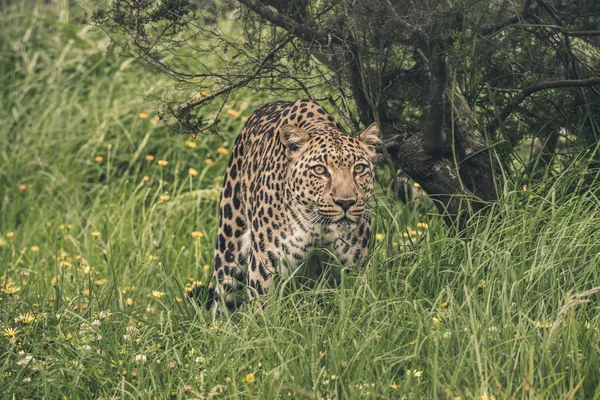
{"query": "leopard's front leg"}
(260, 274)
(353, 247)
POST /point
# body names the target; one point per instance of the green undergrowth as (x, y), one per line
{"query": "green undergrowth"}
(100, 244)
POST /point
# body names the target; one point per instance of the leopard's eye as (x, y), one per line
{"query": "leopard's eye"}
(320, 170)
(360, 168)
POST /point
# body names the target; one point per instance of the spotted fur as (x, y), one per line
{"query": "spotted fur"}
(295, 182)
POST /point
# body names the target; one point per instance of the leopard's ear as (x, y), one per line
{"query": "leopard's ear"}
(294, 138)
(370, 138)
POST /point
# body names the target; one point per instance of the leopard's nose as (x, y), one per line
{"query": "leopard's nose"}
(345, 203)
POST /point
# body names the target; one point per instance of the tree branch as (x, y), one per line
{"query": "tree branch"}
(407, 28)
(527, 11)
(303, 31)
(497, 28)
(242, 82)
(528, 91)
(435, 79)
(568, 32)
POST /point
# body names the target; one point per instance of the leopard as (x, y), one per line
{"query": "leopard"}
(296, 184)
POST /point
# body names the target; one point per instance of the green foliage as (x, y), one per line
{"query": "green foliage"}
(95, 262)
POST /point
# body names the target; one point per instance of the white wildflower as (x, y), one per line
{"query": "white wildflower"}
(23, 362)
(141, 358)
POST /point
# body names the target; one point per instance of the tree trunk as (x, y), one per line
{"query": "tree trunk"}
(437, 176)
(476, 164)
(459, 178)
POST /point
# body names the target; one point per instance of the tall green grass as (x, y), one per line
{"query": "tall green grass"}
(95, 263)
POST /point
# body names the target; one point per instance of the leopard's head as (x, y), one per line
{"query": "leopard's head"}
(330, 174)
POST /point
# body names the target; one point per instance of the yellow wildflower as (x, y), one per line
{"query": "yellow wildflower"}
(333, 377)
(10, 332)
(482, 284)
(146, 178)
(129, 301)
(35, 249)
(143, 115)
(208, 161)
(422, 225)
(394, 386)
(414, 373)
(165, 197)
(10, 289)
(249, 378)
(227, 379)
(99, 159)
(380, 236)
(26, 318)
(206, 268)
(223, 151)
(543, 325)
(415, 184)
(96, 234)
(157, 293)
(100, 282)
(163, 163)
(149, 157)
(10, 235)
(190, 144)
(178, 299)
(192, 172)
(197, 235)
(233, 113)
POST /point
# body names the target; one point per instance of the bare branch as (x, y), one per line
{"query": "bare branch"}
(568, 32)
(408, 28)
(242, 82)
(342, 114)
(303, 31)
(528, 91)
(527, 12)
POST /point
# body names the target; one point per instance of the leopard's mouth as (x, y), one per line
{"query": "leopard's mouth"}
(334, 218)
(345, 220)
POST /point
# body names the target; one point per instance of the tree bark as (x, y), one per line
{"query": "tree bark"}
(438, 176)
(475, 162)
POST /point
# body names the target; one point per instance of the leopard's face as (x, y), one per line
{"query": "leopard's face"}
(330, 179)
